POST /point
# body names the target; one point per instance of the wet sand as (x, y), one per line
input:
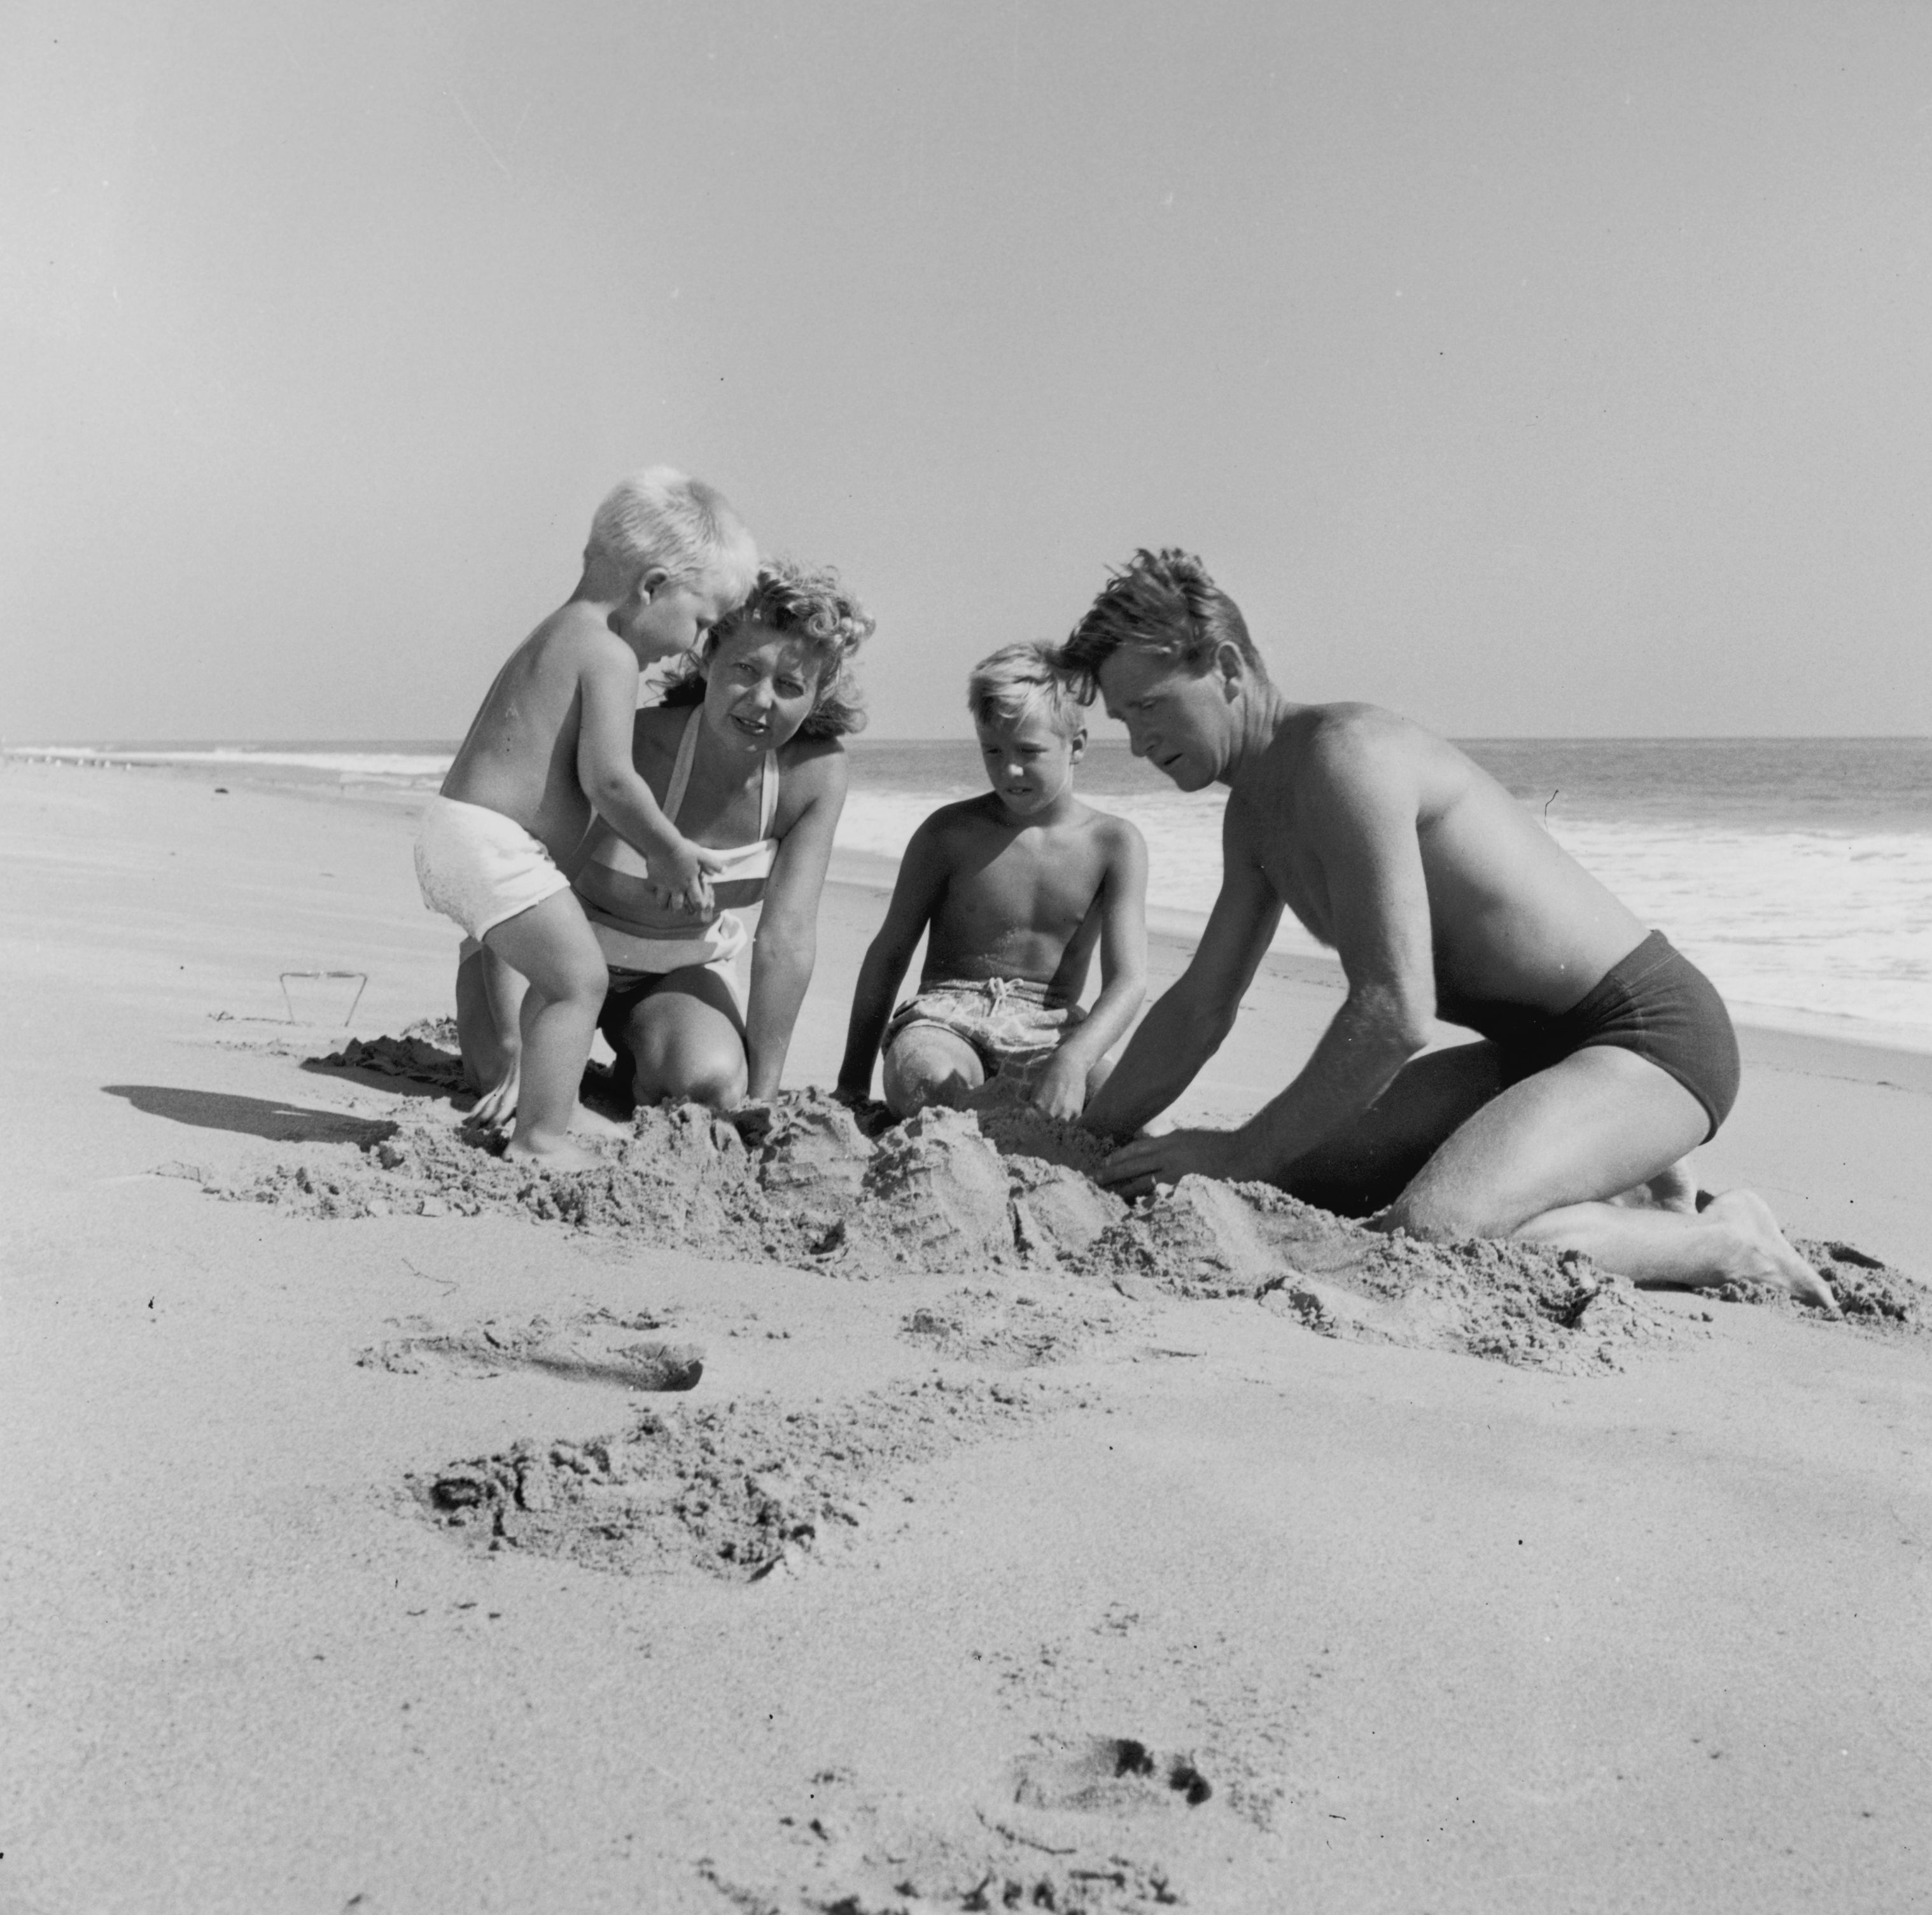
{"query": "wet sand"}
(1023, 1575)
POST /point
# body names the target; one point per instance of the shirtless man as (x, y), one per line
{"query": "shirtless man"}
(1606, 1057)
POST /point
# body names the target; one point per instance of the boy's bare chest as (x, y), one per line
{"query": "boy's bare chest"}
(1034, 881)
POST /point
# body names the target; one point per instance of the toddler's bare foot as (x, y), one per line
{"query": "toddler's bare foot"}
(1762, 1255)
(562, 1156)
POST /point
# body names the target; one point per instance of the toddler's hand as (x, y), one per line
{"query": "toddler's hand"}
(1061, 1091)
(682, 875)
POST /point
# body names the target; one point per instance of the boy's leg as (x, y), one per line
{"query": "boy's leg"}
(1541, 1160)
(685, 1039)
(925, 1062)
(552, 946)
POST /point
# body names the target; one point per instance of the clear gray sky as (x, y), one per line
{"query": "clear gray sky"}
(1532, 368)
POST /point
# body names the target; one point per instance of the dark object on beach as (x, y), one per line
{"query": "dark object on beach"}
(221, 791)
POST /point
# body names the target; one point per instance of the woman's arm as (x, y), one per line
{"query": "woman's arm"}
(786, 946)
(915, 894)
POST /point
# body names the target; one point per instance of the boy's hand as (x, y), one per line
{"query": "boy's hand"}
(680, 875)
(1060, 1091)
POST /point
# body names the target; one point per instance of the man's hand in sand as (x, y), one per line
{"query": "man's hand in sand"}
(1136, 1168)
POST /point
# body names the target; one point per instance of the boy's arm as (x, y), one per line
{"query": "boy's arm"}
(915, 894)
(786, 947)
(1062, 1088)
(607, 685)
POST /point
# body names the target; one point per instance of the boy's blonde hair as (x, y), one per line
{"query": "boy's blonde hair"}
(1002, 689)
(809, 603)
(662, 516)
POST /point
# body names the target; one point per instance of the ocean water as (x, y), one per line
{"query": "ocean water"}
(1798, 872)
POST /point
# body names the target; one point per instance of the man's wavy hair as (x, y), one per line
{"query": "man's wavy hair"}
(806, 602)
(1162, 602)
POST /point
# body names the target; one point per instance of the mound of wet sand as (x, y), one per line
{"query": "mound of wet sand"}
(1871, 1293)
(955, 1190)
(733, 1489)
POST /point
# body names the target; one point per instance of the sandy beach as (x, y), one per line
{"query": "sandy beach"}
(1023, 1581)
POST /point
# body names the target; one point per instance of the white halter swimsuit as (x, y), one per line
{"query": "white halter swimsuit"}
(641, 937)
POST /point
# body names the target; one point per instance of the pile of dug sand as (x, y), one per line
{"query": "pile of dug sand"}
(998, 1189)
(735, 1489)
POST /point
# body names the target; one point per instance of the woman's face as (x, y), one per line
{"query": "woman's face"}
(759, 687)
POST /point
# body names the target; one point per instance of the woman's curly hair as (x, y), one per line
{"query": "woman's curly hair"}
(803, 601)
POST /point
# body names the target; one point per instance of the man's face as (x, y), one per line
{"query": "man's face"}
(1176, 719)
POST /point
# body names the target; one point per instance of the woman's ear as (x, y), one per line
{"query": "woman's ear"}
(1077, 745)
(652, 583)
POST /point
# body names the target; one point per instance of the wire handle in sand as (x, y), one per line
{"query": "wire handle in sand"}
(362, 984)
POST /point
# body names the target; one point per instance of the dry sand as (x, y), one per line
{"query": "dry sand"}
(814, 1522)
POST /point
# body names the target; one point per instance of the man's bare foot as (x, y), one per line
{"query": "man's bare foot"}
(564, 1156)
(1762, 1255)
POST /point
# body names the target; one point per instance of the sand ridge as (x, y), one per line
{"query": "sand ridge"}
(994, 1189)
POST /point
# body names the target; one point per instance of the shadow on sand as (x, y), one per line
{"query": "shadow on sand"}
(252, 1117)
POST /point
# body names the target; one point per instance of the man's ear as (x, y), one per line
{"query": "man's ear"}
(1077, 745)
(1233, 669)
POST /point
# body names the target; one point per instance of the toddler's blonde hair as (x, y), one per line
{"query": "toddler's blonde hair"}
(663, 517)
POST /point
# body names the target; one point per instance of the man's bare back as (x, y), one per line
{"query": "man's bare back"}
(1513, 918)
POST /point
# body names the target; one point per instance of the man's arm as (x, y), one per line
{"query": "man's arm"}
(916, 891)
(1062, 1089)
(1357, 807)
(607, 687)
(786, 946)
(1189, 1022)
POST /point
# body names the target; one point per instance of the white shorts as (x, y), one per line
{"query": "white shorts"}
(479, 867)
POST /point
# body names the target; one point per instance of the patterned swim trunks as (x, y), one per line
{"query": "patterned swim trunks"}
(1006, 1020)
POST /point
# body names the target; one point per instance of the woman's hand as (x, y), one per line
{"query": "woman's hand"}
(1137, 1168)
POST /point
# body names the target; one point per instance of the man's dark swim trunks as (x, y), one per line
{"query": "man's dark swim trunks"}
(1655, 1002)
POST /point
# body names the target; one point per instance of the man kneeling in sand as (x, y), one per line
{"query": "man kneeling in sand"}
(1607, 1058)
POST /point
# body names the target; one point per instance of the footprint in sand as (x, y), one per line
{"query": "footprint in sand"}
(590, 1349)
(1110, 1775)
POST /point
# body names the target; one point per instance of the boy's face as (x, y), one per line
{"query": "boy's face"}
(761, 685)
(1029, 762)
(1177, 719)
(663, 616)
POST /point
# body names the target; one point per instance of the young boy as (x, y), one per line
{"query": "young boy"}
(667, 557)
(1013, 891)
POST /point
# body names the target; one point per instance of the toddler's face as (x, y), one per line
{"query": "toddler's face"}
(1028, 763)
(672, 615)
(760, 686)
